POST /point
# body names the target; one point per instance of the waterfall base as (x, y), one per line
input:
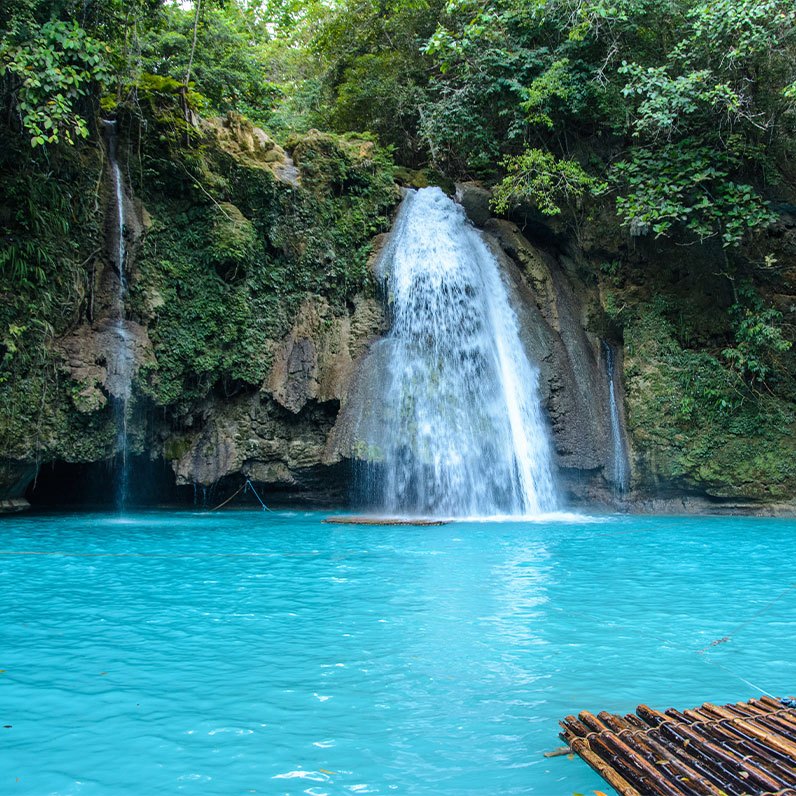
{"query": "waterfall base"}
(384, 521)
(454, 423)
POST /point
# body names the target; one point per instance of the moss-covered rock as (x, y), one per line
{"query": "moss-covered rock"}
(233, 237)
(696, 425)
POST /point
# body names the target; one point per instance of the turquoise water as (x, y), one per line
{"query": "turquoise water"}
(268, 653)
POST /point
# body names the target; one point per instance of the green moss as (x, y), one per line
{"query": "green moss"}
(229, 256)
(51, 231)
(694, 421)
(232, 241)
(176, 447)
(233, 251)
(38, 421)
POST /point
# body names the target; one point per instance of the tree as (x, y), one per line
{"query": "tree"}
(685, 107)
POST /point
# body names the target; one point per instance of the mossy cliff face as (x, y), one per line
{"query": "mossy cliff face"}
(52, 266)
(250, 307)
(695, 429)
(710, 379)
(248, 297)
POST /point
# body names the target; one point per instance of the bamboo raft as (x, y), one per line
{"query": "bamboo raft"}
(744, 749)
(384, 521)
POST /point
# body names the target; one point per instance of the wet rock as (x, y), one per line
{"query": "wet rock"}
(102, 360)
(474, 198)
(561, 319)
(15, 477)
(315, 361)
(280, 436)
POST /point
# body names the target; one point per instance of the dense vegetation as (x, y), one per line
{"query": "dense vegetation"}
(683, 110)
(620, 124)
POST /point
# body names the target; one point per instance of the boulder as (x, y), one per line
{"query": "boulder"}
(474, 198)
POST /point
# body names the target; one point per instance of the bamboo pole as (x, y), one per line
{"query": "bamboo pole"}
(782, 721)
(772, 739)
(763, 756)
(647, 774)
(581, 747)
(720, 734)
(662, 755)
(725, 765)
(708, 768)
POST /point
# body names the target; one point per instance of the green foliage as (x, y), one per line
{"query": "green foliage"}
(42, 204)
(694, 101)
(374, 74)
(695, 422)
(544, 181)
(50, 77)
(689, 185)
(231, 63)
(666, 102)
(547, 93)
(759, 340)
(375, 95)
(233, 240)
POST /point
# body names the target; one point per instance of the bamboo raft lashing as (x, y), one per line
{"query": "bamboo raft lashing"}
(743, 749)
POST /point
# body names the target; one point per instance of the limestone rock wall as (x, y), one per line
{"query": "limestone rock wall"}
(281, 435)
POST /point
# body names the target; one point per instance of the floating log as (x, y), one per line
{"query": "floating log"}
(559, 751)
(743, 749)
(384, 521)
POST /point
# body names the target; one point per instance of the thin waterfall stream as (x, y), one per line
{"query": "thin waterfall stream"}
(621, 468)
(461, 429)
(120, 360)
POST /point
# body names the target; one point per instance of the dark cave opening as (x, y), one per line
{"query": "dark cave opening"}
(152, 484)
(96, 485)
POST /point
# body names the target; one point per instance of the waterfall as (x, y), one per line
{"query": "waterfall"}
(121, 359)
(461, 429)
(621, 468)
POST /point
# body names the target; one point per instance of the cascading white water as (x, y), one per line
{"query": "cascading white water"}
(462, 430)
(621, 472)
(120, 360)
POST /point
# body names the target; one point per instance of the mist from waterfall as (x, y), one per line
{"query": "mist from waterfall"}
(461, 429)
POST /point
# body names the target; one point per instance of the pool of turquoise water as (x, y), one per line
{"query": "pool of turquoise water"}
(248, 652)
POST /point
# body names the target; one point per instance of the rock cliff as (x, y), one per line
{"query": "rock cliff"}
(251, 311)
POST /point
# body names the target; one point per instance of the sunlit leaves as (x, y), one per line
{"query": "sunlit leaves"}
(544, 181)
(50, 75)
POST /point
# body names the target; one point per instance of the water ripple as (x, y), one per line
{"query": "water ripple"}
(239, 653)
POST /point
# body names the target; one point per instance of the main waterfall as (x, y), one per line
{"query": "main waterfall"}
(461, 430)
